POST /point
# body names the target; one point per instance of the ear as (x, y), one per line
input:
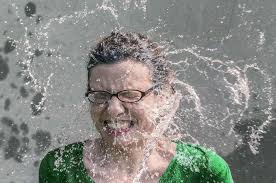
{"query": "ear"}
(168, 102)
(167, 112)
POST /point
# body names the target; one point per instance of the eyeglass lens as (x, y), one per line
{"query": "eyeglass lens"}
(125, 96)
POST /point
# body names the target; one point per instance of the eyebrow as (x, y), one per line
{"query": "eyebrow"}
(110, 91)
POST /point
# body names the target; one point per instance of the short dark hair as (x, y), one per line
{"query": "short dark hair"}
(120, 46)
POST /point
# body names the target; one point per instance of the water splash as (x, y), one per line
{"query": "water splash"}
(231, 78)
(217, 99)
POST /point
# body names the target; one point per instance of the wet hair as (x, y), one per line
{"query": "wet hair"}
(130, 45)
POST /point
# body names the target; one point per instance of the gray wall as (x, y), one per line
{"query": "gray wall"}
(43, 47)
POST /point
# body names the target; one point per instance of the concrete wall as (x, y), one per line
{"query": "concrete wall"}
(43, 45)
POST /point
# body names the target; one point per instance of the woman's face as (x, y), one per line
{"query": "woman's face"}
(120, 123)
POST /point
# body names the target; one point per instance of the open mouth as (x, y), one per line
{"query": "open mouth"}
(119, 127)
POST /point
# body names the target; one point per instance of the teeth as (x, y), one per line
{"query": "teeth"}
(123, 124)
(118, 125)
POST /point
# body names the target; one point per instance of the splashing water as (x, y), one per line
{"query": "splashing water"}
(219, 97)
(217, 92)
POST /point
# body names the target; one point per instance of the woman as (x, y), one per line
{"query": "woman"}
(132, 102)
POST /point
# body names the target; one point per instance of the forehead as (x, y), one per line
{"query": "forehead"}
(127, 74)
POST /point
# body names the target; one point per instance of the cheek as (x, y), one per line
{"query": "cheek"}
(95, 116)
(148, 108)
(95, 113)
(136, 110)
(143, 113)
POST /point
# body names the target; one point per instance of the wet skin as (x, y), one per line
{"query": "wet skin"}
(125, 127)
(114, 78)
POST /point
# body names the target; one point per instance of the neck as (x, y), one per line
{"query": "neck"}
(129, 157)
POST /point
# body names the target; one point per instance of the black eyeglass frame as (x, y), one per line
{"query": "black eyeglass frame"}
(143, 94)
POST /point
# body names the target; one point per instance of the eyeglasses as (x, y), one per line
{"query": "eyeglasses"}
(129, 96)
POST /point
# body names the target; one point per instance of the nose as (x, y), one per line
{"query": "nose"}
(115, 107)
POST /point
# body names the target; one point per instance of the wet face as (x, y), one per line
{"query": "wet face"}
(120, 123)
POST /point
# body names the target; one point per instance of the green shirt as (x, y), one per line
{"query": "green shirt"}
(191, 164)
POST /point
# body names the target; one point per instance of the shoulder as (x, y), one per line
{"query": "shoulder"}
(203, 160)
(217, 168)
(66, 150)
(199, 154)
(60, 162)
(59, 157)
(190, 156)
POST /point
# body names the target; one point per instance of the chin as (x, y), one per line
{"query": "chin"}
(122, 141)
